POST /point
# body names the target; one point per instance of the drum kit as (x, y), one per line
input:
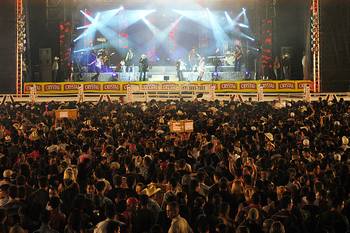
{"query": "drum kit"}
(228, 59)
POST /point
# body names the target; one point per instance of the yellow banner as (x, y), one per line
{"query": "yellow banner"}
(121, 87)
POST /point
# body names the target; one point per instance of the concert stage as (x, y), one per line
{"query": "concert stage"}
(50, 88)
(165, 73)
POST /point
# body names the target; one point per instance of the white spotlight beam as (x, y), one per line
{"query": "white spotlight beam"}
(219, 34)
(83, 27)
(91, 19)
(242, 25)
(91, 29)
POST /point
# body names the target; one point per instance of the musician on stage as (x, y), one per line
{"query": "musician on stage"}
(55, 68)
(238, 53)
(201, 69)
(277, 67)
(180, 67)
(143, 65)
(216, 60)
(193, 58)
(98, 67)
(129, 60)
(91, 60)
(286, 66)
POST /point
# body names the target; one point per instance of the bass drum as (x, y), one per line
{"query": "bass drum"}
(230, 60)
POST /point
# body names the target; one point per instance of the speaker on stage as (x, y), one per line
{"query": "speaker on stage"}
(166, 78)
(45, 64)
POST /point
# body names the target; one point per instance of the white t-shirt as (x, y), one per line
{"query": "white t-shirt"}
(98, 63)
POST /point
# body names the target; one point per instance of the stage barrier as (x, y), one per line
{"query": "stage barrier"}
(122, 87)
(137, 92)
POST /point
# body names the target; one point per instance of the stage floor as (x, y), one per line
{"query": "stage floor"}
(166, 73)
(159, 77)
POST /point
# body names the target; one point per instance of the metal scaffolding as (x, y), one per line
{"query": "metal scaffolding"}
(20, 45)
(315, 49)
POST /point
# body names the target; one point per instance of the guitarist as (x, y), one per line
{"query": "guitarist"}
(238, 54)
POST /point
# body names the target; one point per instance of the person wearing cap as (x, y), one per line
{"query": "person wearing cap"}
(269, 143)
(153, 192)
(345, 143)
(8, 174)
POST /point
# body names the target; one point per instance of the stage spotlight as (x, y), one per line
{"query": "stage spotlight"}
(230, 20)
(91, 19)
(243, 25)
(79, 37)
(244, 10)
(114, 77)
(83, 27)
(250, 38)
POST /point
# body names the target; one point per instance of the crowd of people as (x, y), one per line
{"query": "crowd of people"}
(248, 167)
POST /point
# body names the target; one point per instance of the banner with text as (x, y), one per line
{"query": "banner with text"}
(122, 87)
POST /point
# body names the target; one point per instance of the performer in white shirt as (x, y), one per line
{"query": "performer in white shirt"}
(201, 69)
(98, 67)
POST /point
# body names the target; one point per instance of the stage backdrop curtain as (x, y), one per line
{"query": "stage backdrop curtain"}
(8, 46)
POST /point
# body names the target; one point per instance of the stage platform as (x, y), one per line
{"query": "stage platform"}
(159, 77)
(165, 73)
(287, 86)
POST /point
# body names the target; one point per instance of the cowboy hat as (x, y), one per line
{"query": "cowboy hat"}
(151, 190)
(7, 173)
(345, 140)
(8, 138)
(69, 174)
(17, 126)
(306, 142)
(34, 136)
(269, 136)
